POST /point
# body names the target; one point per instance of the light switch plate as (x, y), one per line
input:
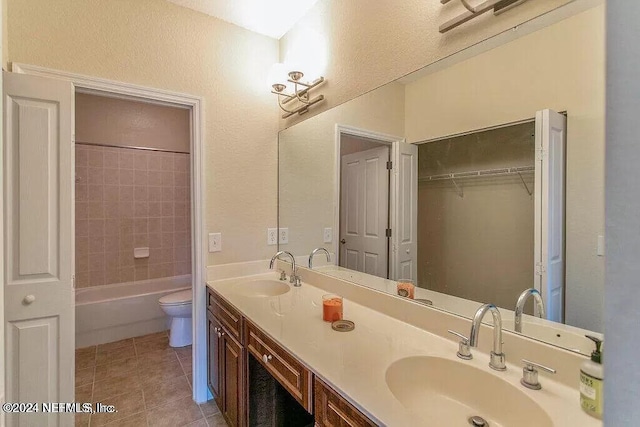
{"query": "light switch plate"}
(283, 236)
(272, 236)
(327, 235)
(215, 242)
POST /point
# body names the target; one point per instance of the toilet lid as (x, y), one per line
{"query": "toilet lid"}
(177, 298)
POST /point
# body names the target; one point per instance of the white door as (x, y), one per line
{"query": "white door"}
(364, 211)
(549, 211)
(404, 212)
(39, 261)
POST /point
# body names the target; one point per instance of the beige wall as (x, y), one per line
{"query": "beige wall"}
(125, 123)
(307, 156)
(478, 246)
(156, 43)
(353, 144)
(560, 67)
(369, 43)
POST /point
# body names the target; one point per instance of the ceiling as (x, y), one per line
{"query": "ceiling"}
(272, 18)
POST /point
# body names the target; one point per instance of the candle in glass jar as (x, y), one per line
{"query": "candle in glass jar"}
(331, 308)
(406, 288)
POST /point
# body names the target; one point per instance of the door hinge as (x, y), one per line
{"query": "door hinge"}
(388, 232)
(539, 267)
(541, 153)
(389, 165)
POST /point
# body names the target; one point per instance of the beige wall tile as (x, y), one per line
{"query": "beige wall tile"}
(125, 209)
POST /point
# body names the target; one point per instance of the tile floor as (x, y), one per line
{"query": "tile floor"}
(148, 382)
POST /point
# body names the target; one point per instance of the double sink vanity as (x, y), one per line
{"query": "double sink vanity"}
(398, 367)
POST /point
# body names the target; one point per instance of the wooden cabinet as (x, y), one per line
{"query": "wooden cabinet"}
(332, 410)
(214, 349)
(233, 367)
(226, 361)
(231, 339)
(289, 372)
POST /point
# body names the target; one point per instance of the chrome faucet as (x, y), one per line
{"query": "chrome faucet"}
(497, 360)
(313, 252)
(294, 279)
(522, 299)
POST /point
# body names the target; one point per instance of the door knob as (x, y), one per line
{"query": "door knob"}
(28, 299)
(343, 241)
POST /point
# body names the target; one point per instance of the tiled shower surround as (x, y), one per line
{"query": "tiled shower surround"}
(128, 198)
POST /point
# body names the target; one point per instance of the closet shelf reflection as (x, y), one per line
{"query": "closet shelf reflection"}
(479, 173)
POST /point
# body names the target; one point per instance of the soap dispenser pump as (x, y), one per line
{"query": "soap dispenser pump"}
(591, 380)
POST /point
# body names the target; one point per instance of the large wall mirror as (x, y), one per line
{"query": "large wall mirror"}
(477, 177)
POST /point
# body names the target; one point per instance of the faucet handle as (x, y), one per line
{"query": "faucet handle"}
(283, 275)
(530, 374)
(294, 279)
(464, 351)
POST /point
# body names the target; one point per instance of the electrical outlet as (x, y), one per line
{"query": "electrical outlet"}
(283, 236)
(272, 236)
(327, 235)
(215, 242)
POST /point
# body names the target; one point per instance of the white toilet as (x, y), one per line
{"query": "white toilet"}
(178, 307)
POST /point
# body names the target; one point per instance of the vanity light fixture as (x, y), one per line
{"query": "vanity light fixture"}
(300, 98)
(498, 6)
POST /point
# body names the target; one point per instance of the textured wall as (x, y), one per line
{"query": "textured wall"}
(158, 44)
(369, 43)
(121, 122)
(127, 199)
(559, 67)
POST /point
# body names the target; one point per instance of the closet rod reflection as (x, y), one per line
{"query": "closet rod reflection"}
(131, 147)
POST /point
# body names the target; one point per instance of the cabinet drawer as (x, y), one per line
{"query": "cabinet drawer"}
(289, 372)
(228, 316)
(331, 410)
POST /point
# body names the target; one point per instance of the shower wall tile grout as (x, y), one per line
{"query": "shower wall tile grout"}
(131, 198)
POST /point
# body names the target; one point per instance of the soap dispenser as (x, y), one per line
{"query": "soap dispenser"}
(591, 380)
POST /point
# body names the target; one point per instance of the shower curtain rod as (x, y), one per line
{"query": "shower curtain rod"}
(131, 147)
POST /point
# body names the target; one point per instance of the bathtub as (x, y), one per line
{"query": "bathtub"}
(123, 310)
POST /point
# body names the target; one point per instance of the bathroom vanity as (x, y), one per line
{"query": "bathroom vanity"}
(232, 340)
(398, 367)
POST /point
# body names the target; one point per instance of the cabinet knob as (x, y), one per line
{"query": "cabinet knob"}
(28, 299)
(266, 358)
(219, 335)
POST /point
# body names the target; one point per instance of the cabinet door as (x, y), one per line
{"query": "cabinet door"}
(331, 410)
(214, 349)
(233, 380)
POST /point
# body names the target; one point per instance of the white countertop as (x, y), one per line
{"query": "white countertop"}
(354, 363)
(558, 334)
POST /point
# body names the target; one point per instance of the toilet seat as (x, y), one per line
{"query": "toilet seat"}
(177, 298)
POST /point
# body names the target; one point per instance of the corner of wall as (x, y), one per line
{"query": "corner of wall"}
(5, 36)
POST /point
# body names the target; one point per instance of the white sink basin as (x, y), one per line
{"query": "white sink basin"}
(262, 288)
(443, 392)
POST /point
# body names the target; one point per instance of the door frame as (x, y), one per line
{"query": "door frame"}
(121, 90)
(383, 138)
